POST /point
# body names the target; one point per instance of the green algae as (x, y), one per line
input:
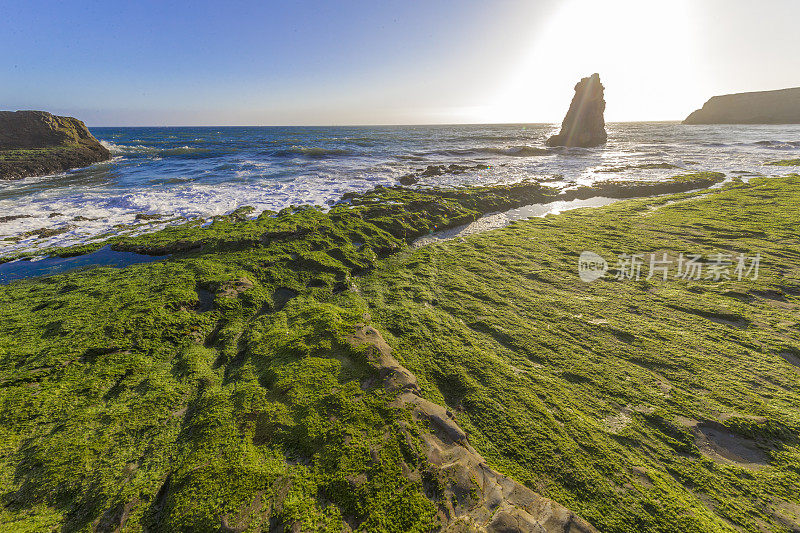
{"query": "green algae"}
(217, 389)
(589, 392)
(785, 163)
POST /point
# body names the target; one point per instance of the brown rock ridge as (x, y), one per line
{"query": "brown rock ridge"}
(763, 107)
(36, 143)
(584, 124)
(476, 497)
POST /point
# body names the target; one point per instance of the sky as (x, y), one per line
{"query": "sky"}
(297, 62)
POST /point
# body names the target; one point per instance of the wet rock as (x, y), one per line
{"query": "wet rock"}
(145, 216)
(9, 218)
(439, 170)
(584, 124)
(44, 233)
(408, 179)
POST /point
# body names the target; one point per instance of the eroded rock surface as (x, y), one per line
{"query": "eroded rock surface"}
(584, 124)
(476, 498)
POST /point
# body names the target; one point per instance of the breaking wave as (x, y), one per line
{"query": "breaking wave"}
(133, 149)
(780, 145)
(202, 172)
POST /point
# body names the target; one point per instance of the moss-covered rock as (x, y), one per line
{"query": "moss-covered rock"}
(786, 163)
(235, 386)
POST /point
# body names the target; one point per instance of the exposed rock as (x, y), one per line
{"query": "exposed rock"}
(584, 124)
(763, 107)
(35, 143)
(114, 518)
(9, 218)
(476, 497)
(44, 233)
(408, 179)
(147, 217)
(722, 445)
(232, 288)
(395, 376)
(439, 170)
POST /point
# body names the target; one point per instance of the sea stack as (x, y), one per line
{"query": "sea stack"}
(37, 143)
(584, 124)
(763, 107)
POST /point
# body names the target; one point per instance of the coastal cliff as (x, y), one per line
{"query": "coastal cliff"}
(764, 107)
(35, 143)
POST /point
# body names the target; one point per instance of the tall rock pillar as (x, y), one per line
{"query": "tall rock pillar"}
(584, 124)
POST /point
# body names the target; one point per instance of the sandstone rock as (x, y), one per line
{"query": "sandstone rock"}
(476, 498)
(34, 143)
(584, 124)
(763, 107)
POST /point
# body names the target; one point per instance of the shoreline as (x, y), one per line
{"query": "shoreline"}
(511, 196)
(197, 174)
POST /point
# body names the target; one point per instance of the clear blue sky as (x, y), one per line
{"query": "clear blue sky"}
(378, 62)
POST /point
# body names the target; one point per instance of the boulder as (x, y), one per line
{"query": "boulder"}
(763, 107)
(35, 143)
(584, 124)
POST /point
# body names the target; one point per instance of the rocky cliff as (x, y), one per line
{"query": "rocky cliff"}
(764, 107)
(34, 143)
(584, 124)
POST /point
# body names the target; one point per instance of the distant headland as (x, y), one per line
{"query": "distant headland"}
(36, 143)
(763, 107)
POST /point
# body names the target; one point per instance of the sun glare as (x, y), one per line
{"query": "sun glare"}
(639, 48)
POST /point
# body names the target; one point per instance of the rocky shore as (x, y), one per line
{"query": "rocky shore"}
(406, 213)
(307, 371)
(37, 143)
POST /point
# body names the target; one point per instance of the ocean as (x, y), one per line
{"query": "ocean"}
(198, 172)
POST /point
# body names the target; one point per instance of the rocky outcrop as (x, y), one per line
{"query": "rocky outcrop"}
(763, 107)
(36, 143)
(476, 498)
(439, 170)
(584, 124)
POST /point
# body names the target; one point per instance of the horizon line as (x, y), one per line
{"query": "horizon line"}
(375, 125)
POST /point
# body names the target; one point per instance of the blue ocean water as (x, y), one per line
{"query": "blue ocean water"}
(195, 172)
